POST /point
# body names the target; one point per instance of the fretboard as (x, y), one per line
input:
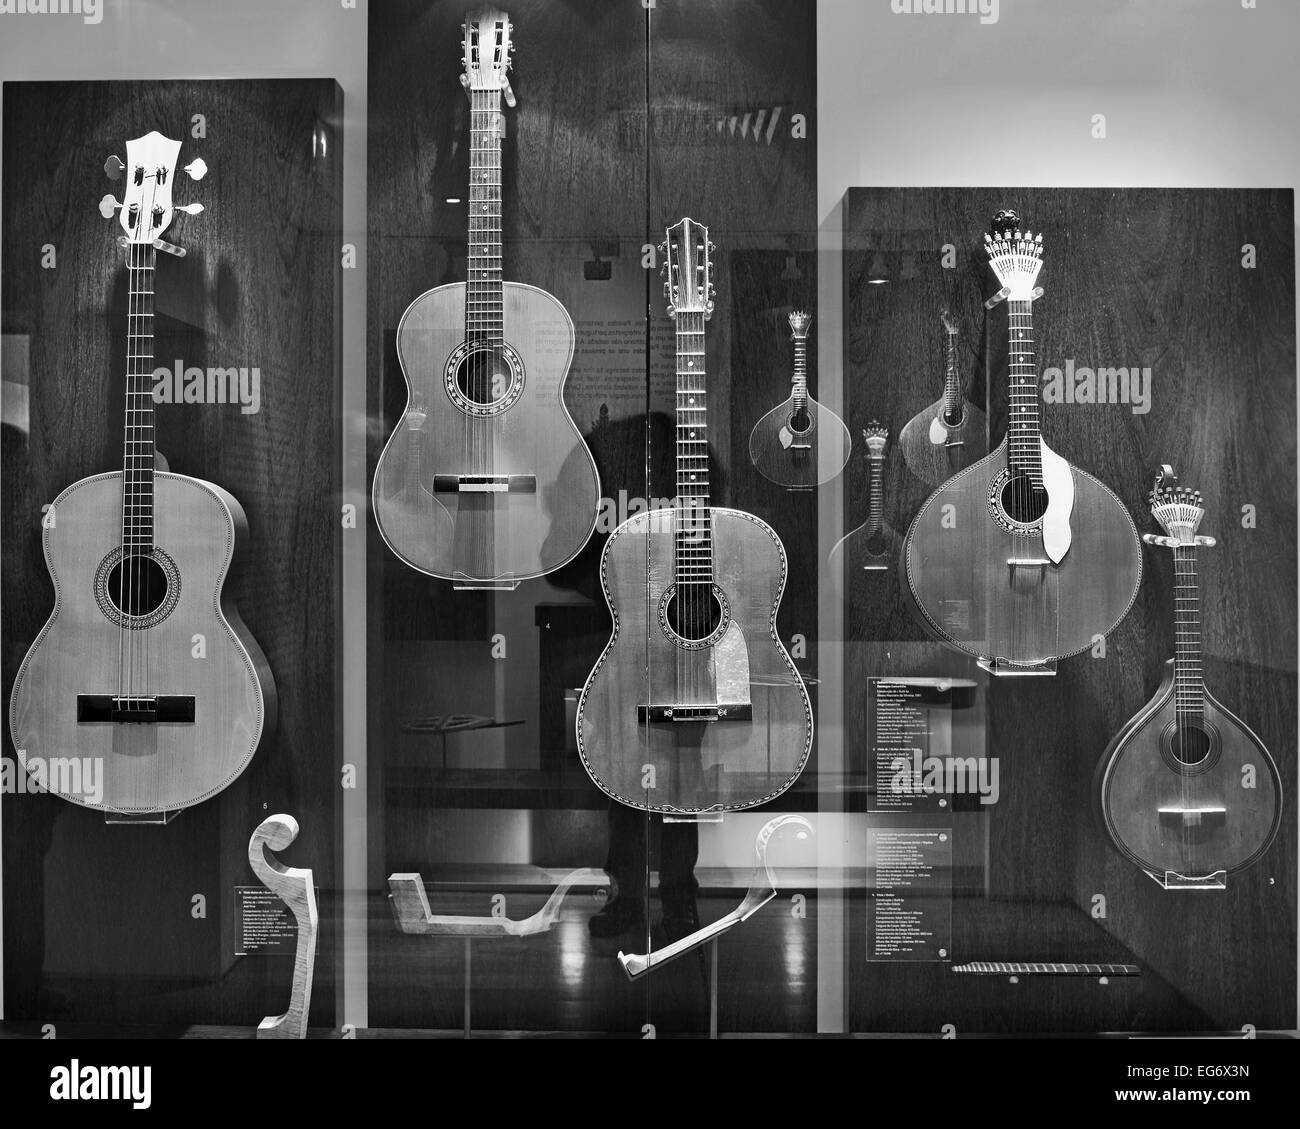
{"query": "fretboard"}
(800, 372)
(952, 384)
(1023, 434)
(875, 512)
(1189, 685)
(138, 442)
(694, 533)
(483, 310)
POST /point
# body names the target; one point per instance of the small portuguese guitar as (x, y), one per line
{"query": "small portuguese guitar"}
(800, 443)
(1021, 559)
(694, 705)
(139, 559)
(485, 481)
(1186, 791)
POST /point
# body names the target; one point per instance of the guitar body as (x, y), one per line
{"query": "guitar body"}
(165, 765)
(799, 449)
(935, 450)
(956, 564)
(1142, 773)
(697, 766)
(499, 415)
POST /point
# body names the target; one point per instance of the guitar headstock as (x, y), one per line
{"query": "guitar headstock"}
(1016, 256)
(1178, 509)
(875, 437)
(486, 52)
(146, 209)
(688, 269)
(799, 323)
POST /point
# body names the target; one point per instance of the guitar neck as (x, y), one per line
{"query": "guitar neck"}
(952, 383)
(1189, 686)
(138, 441)
(800, 392)
(694, 527)
(483, 295)
(1024, 452)
(875, 513)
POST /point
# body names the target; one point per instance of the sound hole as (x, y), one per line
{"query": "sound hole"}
(1189, 743)
(484, 376)
(1022, 501)
(877, 545)
(137, 585)
(800, 421)
(694, 612)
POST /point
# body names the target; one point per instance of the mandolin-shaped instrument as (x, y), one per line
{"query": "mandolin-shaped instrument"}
(800, 443)
(486, 481)
(952, 432)
(116, 706)
(1021, 559)
(1186, 791)
(694, 705)
(872, 546)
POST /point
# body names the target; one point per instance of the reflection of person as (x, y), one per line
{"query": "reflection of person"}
(632, 836)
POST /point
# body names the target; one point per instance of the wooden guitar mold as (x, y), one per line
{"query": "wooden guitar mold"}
(762, 889)
(294, 886)
(406, 894)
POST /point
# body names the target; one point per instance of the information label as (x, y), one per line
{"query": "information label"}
(911, 722)
(263, 923)
(909, 893)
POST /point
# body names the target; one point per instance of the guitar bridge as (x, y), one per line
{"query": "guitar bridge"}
(126, 709)
(735, 711)
(485, 484)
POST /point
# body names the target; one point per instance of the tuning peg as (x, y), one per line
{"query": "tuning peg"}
(197, 168)
(509, 94)
(113, 168)
(190, 209)
(108, 205)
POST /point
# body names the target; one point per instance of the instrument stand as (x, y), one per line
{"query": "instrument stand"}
(1218, 880)
(1004, 668)
(466, 585)
(147, 818)
(295, 888)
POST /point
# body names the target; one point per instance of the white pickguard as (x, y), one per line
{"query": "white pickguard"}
(938, 431)
(1058, 481)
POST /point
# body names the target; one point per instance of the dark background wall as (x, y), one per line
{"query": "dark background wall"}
(98, 922)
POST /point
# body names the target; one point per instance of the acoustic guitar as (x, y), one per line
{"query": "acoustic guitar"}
(800, 443)
(1021, 559)
(694, 705)
(872, 546)
(1186, 791)
(116, 706)
(485, 481)
(952, 432)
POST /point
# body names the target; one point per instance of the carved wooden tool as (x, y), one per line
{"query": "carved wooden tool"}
(762, 889)
(294, 885)
(411, 909)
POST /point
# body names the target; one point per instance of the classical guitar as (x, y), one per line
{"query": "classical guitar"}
(112, 685)
(1021, 558)
(800, 443)
(1186, 791)
(694, 705)
(485, 481)
(872, 545)
(951, 433)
